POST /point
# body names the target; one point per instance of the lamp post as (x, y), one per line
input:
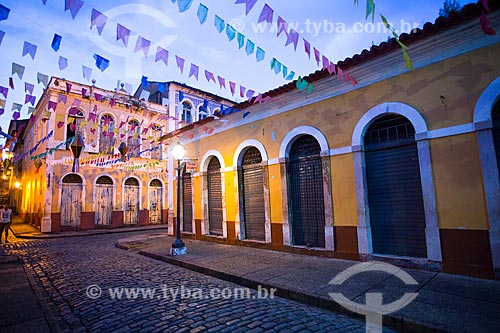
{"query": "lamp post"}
(178, 246)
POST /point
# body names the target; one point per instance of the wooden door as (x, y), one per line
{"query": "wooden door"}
(71, 201)
(131, 201)
(155, 201)
(104, 204)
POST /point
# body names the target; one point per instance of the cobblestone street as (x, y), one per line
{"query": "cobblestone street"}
(65, 268)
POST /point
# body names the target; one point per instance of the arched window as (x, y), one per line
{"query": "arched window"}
(155, 142)
(106, 133)
(187, 112)
(133, 138)
(75, 116)
(202, 112)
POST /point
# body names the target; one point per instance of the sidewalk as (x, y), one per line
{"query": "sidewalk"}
(24, 230)
(445, 302)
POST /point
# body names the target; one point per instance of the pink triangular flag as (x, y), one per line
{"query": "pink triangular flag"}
(222, 82)
(209, 76)
(316, 55)
(232, 87)
(242, 91)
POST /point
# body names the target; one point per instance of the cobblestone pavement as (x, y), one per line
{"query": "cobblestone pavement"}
(65, 268)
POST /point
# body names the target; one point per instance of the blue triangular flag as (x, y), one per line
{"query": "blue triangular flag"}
(219, 24)
(2, 33)
(161, 87)
(144, 82)
(4, 12)
(202, 13)
(184, 5)
(181, 96)
(56, 42)
(260, 54)
(101, 62)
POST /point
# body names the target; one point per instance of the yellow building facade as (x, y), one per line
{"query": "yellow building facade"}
(401, 167)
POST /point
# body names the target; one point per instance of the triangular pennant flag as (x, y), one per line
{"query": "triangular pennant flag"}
(42, 78)
(98, 20)
(161, 54)
(18, 69)
(284, 69)
(84, 92)
(101, 62)
(30, 99)
(230, 32)
(316, 55)
(307, 48)
(2, 110)
(282, 26)
(28, 87)
(63, 63)
(242, 91)
(142, 44)
(2, 34)
(260, 54)
(87, 72)
(180, 63)
(16, 106)
(250, 94)
(232, 87)
(249, 4)
(122, 34)
(193, 71)
(62, 98)
(258, 99)
(241, 40)
(266, 15)
(4, 91)
(68, 87)
(326, 62)
(370, 9)
(202, 13)
(73, 6)
(293, 37)
(219, 24)
(76, 104)
(144, 82)
(51, 105)
(98, 97)
(250, 47)
(56, 42)
(30, 49)
(181, 96)
(161, 87)
(184, 5)
(111, 102)
(209, 76)
(11, 82)
(4, 12)
(222, 82)
(16, 115)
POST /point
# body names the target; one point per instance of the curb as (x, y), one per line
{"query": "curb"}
(398, 323)
(83, 234)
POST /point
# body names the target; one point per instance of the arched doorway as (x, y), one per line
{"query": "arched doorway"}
(104, 200)
(187, 202)
(252, 206)
(131, 201)
(155, 201)
(305, 193)
(71, 200)
(214, 181)
(395, 200)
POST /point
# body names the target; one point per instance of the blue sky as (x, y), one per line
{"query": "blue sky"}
(327, 25)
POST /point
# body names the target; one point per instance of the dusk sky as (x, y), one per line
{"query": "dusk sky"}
(327, 25)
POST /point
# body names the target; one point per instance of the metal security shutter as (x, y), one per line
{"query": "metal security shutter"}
(252, 196)
(496, 130)
(305, 193)
(187, 203)
(214, 197)
(395, 199)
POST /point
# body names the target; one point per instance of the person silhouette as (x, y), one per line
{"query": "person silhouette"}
(5, 221)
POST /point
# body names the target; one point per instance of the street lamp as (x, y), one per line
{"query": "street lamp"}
(178, 246)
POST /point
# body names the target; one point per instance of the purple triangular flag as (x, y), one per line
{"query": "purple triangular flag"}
(28, 87)
(293, 37)
(307, 48)
(222, 82)
(2, 34)
(180, 63)
(250, 94)
(62, 98)
(266, 15)
(194, 71)
(98, 97)
(209, 76)
(282, 26)
(4, 91)
(30, 99)
(242, 91)
(122, 33)
(16, 115)
(249, 4)
(52, 105)
(68, 87)
(161, 54)
(98, 20)
(316, 55)
(30, 49)
(142, 44)
(73, 6)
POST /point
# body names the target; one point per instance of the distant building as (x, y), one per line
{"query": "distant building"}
(403, 167)
(110, 189)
